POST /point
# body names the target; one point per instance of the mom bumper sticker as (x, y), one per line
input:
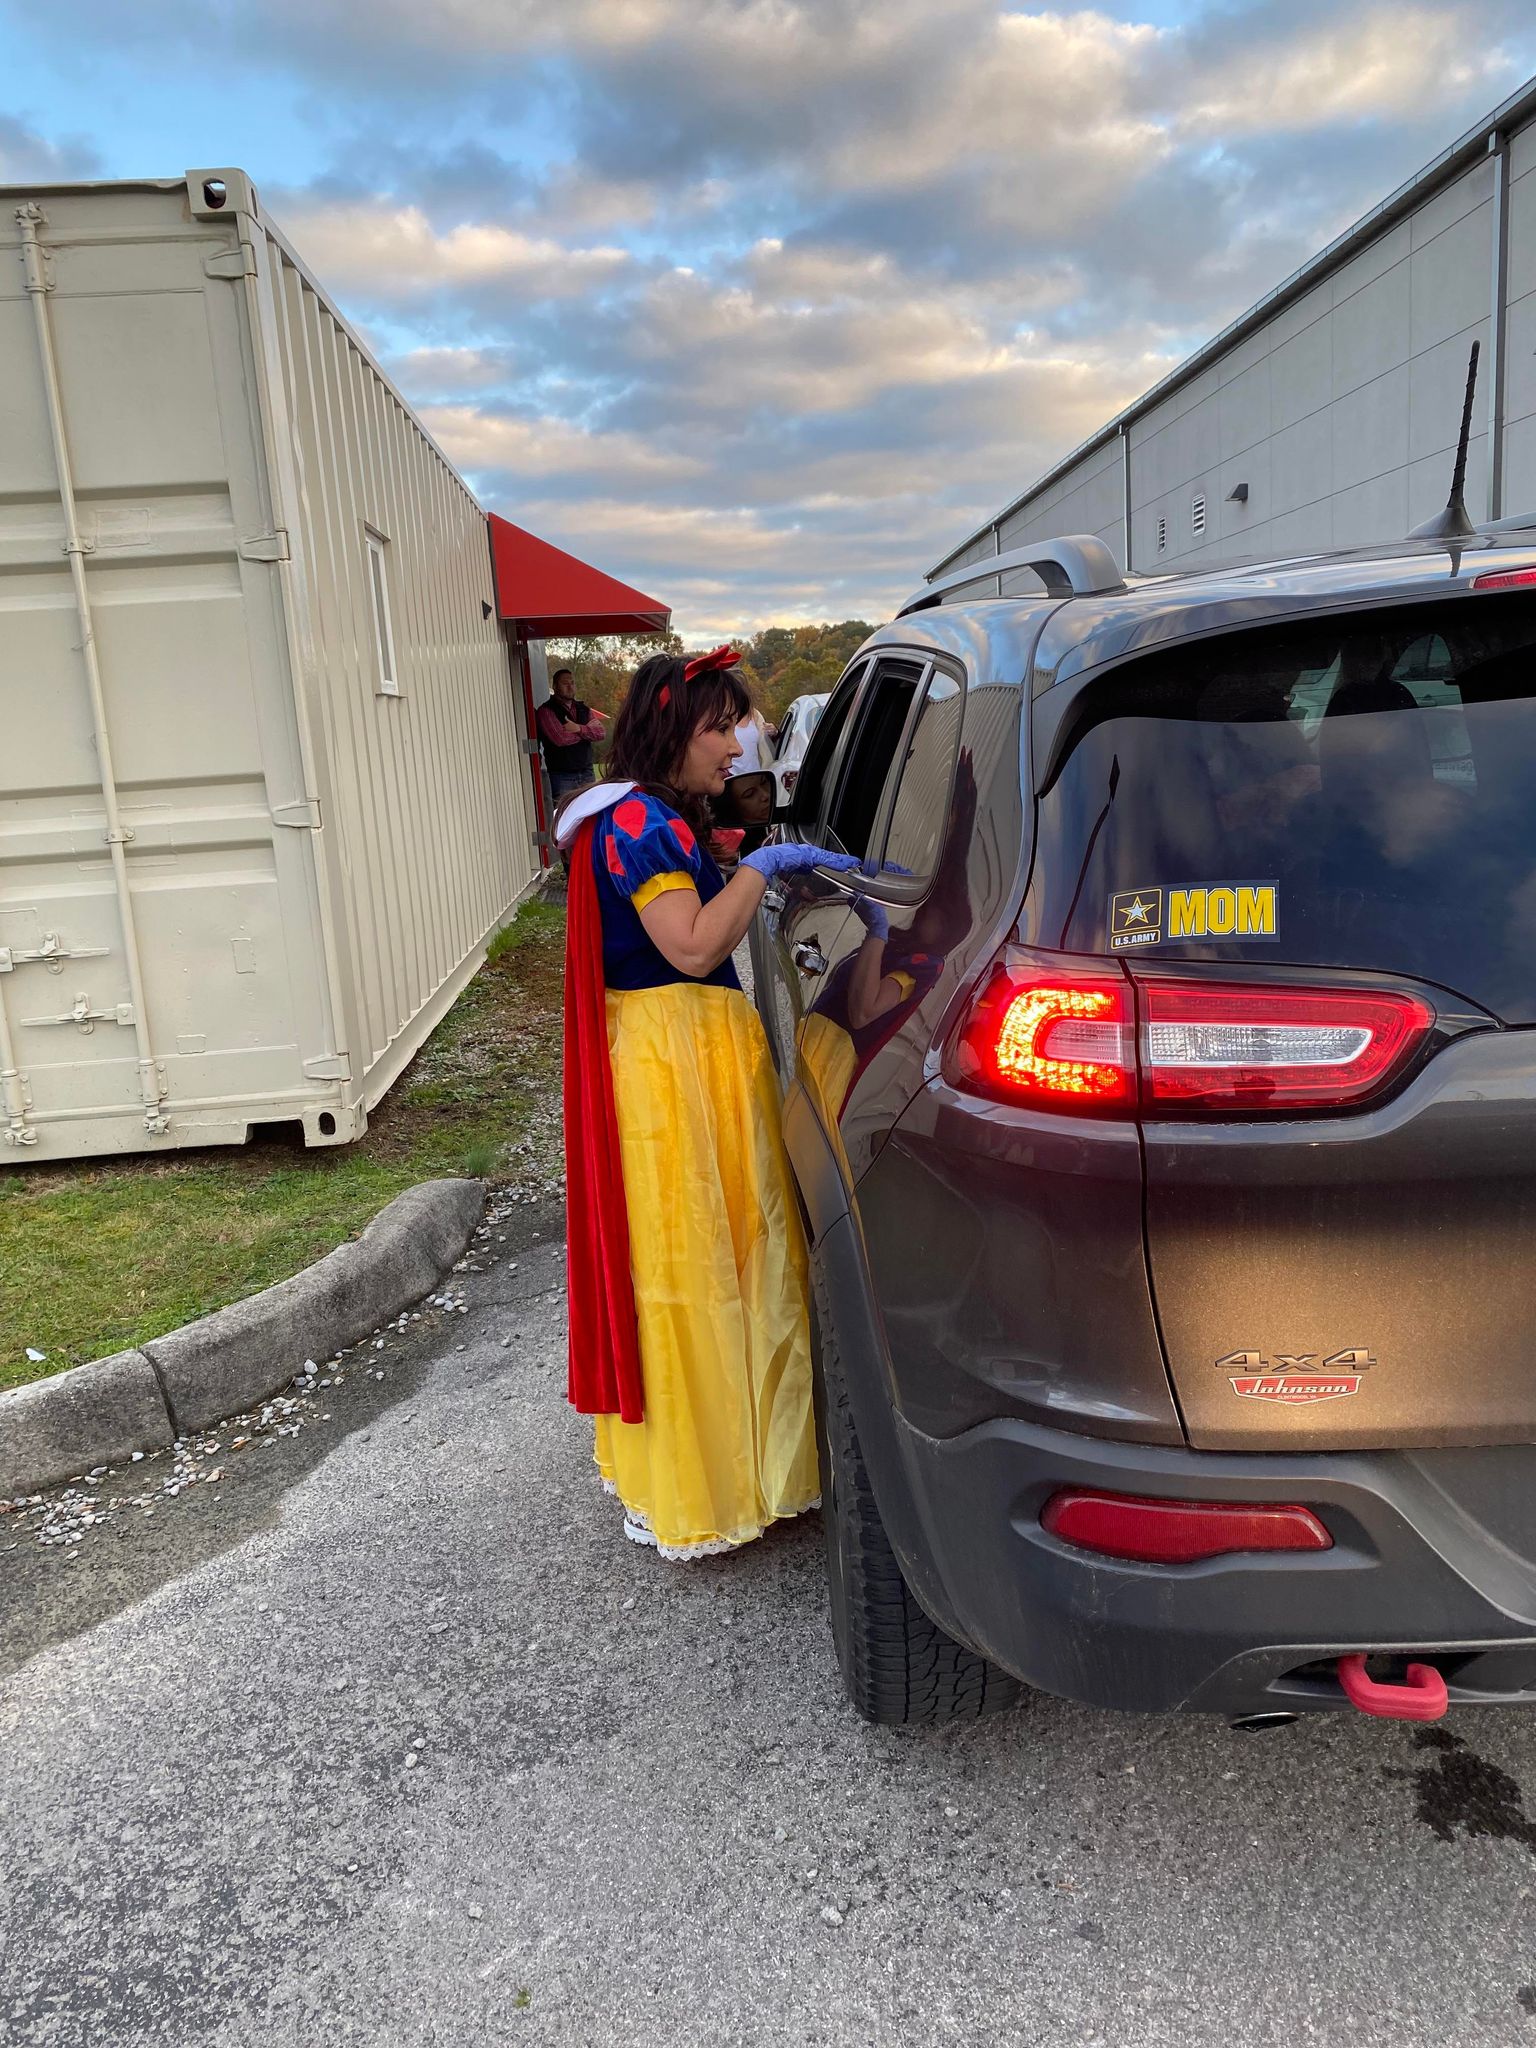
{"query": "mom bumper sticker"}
(1204, 910)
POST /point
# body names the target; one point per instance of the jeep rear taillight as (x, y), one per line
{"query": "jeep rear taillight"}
(1233, 1045)
(1064, 1040)
(1057, 1034)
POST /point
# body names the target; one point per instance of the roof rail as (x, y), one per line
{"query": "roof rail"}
(1076, 565)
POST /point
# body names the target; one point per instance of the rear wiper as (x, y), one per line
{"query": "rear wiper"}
(1093, 840)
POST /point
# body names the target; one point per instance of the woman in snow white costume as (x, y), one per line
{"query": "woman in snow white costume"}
(689, 1333)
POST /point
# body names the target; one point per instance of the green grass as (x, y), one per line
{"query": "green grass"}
(95, 1258)
(535, 923)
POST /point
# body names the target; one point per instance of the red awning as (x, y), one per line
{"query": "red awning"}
(550, 594)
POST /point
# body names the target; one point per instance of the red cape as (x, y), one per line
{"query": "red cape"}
(603, 1370)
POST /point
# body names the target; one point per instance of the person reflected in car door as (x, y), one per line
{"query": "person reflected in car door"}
(871, 993)
(745, 808)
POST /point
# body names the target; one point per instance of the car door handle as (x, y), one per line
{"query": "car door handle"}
(808, 957)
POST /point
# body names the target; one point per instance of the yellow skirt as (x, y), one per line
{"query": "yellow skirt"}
(728, 1444)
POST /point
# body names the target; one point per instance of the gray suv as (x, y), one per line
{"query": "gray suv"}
(1161, 1095)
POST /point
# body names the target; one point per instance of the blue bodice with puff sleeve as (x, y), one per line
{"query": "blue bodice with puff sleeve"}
(640, 849)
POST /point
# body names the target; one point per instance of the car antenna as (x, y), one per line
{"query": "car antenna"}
(1453, 523)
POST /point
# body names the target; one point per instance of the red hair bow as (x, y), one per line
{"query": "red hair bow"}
(723, 657)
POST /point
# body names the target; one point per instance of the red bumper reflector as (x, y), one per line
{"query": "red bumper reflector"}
(1420, 1697)
(1178, 1531)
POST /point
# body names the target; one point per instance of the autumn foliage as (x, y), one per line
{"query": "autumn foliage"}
(779, 664)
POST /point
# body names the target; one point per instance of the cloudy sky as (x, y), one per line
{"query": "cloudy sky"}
(764, 304)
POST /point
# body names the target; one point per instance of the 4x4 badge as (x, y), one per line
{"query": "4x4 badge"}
(1295, 1378)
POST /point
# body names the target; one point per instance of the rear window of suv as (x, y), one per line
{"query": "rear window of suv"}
(1355, 792)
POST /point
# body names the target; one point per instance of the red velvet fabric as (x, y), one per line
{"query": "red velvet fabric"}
(603, 1366)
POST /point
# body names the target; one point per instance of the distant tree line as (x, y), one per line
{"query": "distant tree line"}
(779, 664)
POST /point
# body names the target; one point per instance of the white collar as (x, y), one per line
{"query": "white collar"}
(588, 803)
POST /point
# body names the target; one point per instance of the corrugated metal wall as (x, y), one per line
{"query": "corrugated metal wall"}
(1339, 411)
(426, 791)
(1340, 414)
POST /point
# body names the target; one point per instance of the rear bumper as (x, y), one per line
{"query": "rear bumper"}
(1434, 1550)
(1410, 1570)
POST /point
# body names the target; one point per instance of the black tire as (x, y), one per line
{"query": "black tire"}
(900, 1669)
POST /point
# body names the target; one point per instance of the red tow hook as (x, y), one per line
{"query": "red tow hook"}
(1420, 1697)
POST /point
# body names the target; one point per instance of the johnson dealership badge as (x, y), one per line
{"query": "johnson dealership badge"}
(1295, 1379)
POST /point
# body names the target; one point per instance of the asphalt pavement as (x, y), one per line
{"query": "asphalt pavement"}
(374, 1730)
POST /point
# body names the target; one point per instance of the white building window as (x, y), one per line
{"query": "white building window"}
(1197, 513)
(383, 631)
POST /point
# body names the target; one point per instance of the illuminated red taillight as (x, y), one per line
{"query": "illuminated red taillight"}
(1505, 579)
(1178, 1531)
(1059, 1034)
(1056, 1037)
(1257, 1047)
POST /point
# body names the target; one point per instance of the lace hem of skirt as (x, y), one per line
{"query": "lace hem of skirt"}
(637, 1528)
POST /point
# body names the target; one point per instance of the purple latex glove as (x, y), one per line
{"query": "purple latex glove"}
(772, 861)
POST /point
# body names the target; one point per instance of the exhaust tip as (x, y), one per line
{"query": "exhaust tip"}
(1254, 1724)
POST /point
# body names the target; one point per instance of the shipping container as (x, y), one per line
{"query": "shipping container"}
(263, 797)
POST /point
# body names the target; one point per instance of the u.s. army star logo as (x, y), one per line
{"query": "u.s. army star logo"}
(1135, 918)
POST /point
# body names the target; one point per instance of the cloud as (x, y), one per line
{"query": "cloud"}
(486, 441)
(430, 373)
(764, 303)
(738, 349)
(384, 252)
(30, 158)
(759, 572)
(1386, 62)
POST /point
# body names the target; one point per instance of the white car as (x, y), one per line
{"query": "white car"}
(799, 722)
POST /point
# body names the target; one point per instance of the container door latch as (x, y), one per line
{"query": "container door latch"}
(303, 814)
(266, 547)
(84, 1018)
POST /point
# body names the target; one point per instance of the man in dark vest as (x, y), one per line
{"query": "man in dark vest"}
(567, 729)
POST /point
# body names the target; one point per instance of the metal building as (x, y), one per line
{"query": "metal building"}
(262, 797)
(1327, 415)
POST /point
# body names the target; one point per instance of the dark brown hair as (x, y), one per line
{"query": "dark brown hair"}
(659, 718)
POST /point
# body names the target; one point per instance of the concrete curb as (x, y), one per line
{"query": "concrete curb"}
(98, 1414)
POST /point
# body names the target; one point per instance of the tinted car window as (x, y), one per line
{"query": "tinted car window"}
(1359, 792)
(809, 789)
(926, 771)
(882, 720)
